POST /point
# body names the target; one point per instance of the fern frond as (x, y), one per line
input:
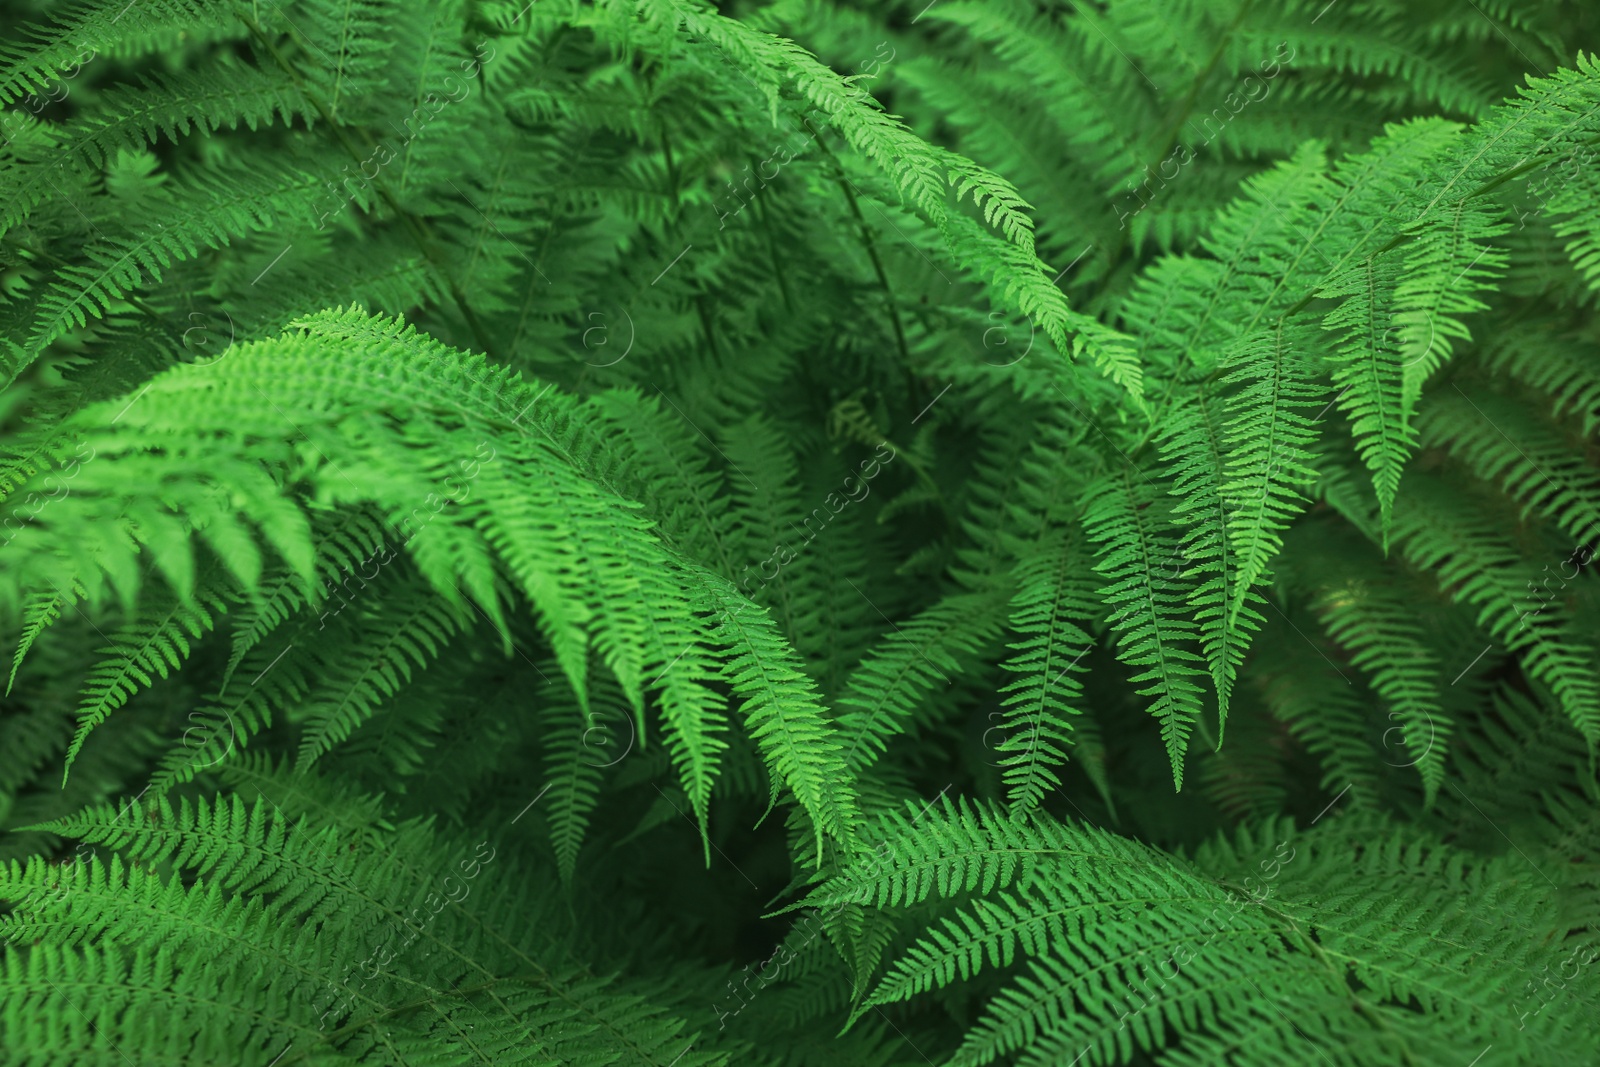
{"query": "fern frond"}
(1097, 988)
(155, 644)
(1271, 430)
(1197, 448)
(240, 203)
(901, 672)
(40, 611)
(1124, 520)
(1054, 598)
(573, 763)
(410, 627)
(1498, 440)
(1377, 624)
(129, 119)
(1474, 563)
(1367, 372)
(39, 54)
(784, 719)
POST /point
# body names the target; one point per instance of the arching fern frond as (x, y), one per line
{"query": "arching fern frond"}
(903, 670)
(574, 548)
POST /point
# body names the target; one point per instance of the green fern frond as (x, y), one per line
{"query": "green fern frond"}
(1123, 518)
(1201, 947)
(40, 54)
(1476, 565)
(1271, 430)
(410, 627)
(39, 612)
(573, 764)
(902, 671)
(1376, 624)
(155, 644)
(1367, 375)
(1197, 447)
(793, 731)
(1054, 598)
(175, 106)
(464, 466)
(1497, 439)
(240, 204)
(1553, 365)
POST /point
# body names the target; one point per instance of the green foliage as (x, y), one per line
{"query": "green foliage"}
(795, 533)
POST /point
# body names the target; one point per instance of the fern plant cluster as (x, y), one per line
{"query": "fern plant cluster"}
(788, 532)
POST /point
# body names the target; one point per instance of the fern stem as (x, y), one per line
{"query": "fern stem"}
(772, 250)
(672, 168)
(1401, 238)
(877, 263)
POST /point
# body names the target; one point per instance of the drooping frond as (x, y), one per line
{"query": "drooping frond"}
(572, 546)
(1054, 599)
(803, 748)
(1155, 631)
(1197, 447)
(1272, 425)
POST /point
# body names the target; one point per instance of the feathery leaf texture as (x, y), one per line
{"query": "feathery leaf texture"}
(1069, 528)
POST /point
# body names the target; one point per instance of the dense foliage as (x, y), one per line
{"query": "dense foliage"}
(635, 532)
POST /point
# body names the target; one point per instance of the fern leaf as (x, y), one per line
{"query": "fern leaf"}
(1053, 599)
(155, 644)
(1154, 631)
(902, 671)
(1270, 431)
(784, 718)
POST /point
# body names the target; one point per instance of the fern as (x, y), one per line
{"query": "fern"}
(1051, 894)
(1050, 600)
(150, 646)
(799, 533)
(1154, 631)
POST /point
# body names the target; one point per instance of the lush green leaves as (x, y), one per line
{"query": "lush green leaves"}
(796, 533)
